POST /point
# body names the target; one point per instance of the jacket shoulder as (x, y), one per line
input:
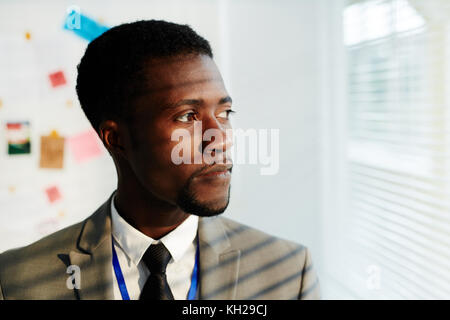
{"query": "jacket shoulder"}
(23, 269)
(39, 270)
(64, 240)
(271, 267)
(241, 235)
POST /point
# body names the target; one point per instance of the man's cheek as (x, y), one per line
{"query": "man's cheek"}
(185, 147)
(176, 146)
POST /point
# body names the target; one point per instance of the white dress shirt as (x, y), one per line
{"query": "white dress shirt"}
(130, 245)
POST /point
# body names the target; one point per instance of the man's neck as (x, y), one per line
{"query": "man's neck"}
(150, 215)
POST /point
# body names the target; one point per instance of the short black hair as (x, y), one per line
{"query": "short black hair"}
(110, 70)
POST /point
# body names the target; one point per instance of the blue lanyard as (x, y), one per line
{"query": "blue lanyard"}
(119, 275)
(123, 288)
(194, 279)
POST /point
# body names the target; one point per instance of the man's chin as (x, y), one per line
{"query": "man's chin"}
(189, 203)
(202, 209)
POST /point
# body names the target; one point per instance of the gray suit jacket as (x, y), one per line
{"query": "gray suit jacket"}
(236, 262)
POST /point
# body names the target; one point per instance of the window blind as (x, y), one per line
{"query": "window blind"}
(398, 160)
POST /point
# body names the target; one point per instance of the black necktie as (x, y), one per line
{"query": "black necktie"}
(156, 259)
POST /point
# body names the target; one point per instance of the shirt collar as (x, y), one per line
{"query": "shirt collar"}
(134, 243)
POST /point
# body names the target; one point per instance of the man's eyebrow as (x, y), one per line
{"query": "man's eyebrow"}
(226, 100)
(190, 102)
(194, 102)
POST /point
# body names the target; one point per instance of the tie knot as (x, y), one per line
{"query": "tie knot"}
(156, 258)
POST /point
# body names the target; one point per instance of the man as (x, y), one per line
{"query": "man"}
(159, 235)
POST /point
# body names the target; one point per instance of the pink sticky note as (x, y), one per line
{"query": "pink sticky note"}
(53, 194)
(57, 79)
(85, 146)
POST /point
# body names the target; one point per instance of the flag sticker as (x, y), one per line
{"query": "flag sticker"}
(18, 135)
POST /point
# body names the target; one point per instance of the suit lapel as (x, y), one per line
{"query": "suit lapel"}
(94, 256)
(219, 263)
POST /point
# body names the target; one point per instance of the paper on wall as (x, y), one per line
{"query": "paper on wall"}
(57, 78)
(85, 146)
(83, 26)
(18, 135)
(52, 151)
(53, 194)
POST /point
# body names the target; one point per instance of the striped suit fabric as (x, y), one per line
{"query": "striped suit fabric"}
(236, 262)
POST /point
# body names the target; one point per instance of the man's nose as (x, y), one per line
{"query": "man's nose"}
(217, 137)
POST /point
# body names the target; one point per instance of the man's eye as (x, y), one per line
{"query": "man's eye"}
(225, 114)
(186, 117)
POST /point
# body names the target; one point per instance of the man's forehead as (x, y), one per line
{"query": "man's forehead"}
(178, 72)
(169, 80)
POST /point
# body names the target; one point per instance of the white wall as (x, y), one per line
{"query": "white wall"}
(273, 84)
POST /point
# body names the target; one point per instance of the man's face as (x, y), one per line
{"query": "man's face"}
(179, 92)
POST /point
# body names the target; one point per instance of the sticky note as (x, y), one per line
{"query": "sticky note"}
(53, 194)
(52, 152)
(83, 26)
(85, 146)
(18, 135)
(57, 79)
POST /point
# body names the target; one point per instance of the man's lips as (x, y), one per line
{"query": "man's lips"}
(217, 171)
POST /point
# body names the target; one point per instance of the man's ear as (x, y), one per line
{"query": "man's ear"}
(110, 135)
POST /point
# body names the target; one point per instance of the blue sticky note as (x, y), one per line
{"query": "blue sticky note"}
(83, 26)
